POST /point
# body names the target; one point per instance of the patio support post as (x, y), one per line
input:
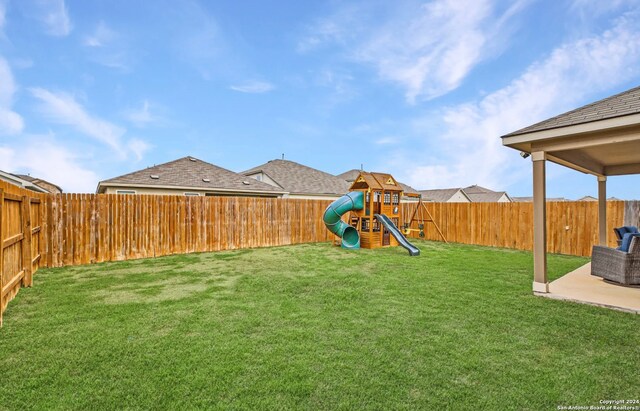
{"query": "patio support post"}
(602, 210)
(540, 283)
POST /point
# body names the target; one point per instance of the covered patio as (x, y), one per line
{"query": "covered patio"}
(602, 139)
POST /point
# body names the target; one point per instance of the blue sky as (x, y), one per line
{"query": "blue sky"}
(422, 89)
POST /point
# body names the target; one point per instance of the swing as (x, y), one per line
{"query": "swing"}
(420, 219)
(420, 210)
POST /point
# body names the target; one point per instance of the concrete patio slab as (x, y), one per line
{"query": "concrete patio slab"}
(580, 286)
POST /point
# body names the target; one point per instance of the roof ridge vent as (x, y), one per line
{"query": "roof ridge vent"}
(245, 182)
(192, 159)
(154, 176)
(206, 180)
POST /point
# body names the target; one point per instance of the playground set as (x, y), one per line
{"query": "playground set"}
(372, 209)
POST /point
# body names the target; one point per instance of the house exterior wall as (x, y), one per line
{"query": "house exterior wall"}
(504, 199)
(458, 198)
(264, 178)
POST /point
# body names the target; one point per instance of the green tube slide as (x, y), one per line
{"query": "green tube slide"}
(351, 201)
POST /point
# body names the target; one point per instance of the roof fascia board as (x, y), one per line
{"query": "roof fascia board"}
(593, 126)
(578, 142)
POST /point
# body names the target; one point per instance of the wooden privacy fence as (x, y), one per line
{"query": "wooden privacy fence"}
(20, 242)
(572, 226)
(71, 229)
(90, 228)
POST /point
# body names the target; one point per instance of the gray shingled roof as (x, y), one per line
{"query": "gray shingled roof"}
(623, 104)
(476, 189)
(439, 195)
(300, 179)
(351, 175)
(485, 197)
(36, 181)
(189, 172)
(479, 194)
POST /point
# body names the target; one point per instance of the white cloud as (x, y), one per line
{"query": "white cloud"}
(385, 141)
(335, 29)
(138, 148)
(108, 48)
(101, 36)
(55, 17)
(142, 116)
(64, 109)
(253, 87)
(198, 39)
(3, 14)
(599, 7)
(11, 123)
(428, 49)
(570, 75)
(60, 165)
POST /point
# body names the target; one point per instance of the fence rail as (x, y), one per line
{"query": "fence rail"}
(72, 229)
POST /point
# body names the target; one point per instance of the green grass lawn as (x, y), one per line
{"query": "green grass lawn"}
(313, 327)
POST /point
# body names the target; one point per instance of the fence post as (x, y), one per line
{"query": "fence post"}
(1, 255)
(27, 260)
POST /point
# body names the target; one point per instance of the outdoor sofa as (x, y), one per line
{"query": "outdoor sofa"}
(619, 265)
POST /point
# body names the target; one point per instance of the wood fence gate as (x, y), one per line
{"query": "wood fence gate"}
(20, 242)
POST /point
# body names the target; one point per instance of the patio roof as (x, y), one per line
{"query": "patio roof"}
(601, 138)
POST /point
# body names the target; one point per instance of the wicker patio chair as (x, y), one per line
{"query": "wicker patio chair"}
(621, 231)
(615, 265)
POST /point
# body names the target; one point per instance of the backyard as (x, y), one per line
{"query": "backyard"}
(313, 327)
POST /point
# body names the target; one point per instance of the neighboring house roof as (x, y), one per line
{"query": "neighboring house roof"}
(587, 198)
(441, 195)
(351, 175)
(487, 197)
(476, 189)
(189, 173)
(479, 194)
(48, 186)
(21, 182)
(300, 179)
(408, 189)
(622, 104)
(474, 193)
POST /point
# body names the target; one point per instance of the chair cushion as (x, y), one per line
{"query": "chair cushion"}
(631, 229)
(620, 232)
(626, 241)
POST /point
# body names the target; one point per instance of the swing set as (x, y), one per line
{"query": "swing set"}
(421, 210)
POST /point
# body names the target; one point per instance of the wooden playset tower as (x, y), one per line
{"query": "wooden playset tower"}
(382, 195)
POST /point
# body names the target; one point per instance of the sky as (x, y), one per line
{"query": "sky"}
(91, 90)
